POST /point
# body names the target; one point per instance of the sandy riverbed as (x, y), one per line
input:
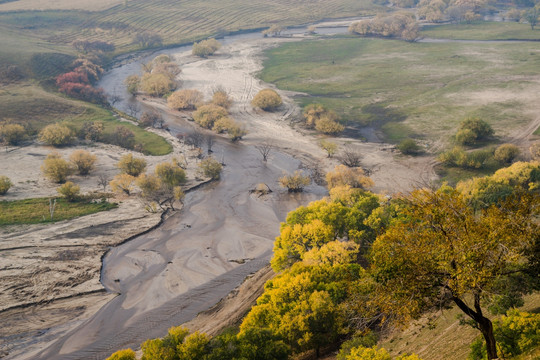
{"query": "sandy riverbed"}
(39, 271)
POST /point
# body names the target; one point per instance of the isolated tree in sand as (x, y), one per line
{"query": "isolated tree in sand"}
(83, 161)
(186, 99)
(5, 184)
(57, 135)
(12, 134)
(295, 182)
(267, 99)
(156, 84)
(211, 168)
(221, 98)
(328, 146)
(131, 165)
(55, 168)
(122, 183)
(207, 115)
(264, 149)
(206, 48)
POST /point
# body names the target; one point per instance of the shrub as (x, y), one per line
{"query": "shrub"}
(459, 158)
(211, 168)
(83, 161)
(368, 340)
(400, 24)
(125, 354)
(122, 137)
(207, 115)
(70, 191)
(295, 182)
(328, 146)
(350, 158)
(131, 165)
(72, 77)
(409, 147)
(506, 153)
(186, 99)
(169, 69)
(328, 126)
(57, 135)
(481, 129)
(343, 175)
(314, 112)
(5, 184)
(205, 48)
(55, 168)
(171, 174)
(151, 119)
(221, 98)
(156, 84)
(92, 130)
(12, 134)
(236, 132)
(223, 124)
(132, 83)
(122, 183)
(83, 92)
(465, 137)
(267, 99)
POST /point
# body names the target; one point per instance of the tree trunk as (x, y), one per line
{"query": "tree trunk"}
(486, 327)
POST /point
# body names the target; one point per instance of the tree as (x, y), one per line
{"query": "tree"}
(328, 146)
(5, 184)
(531, 16)
(131, 165)
(156, 84)
(132, 83)
(440, 250)
(123, 137)
(152, 119)
(83, 161)
(170, 174)
(122, 183)
(264, 149)
(147, 39)
(274, 30)
(186, 99)
(350, 158)
(473, 129)
(55, 168)
(155, 190)
(205, 48)
(125, 354)
(312, 113)
(409, 147)
(328, 126)
(207, 115)
(267, 99)
(12, 134)
(235, 131)
(506, 153)
(69, 190)
(353, 177)
(295, 182)
(211, 168)
(92, 130)
(221, 98)
(57, 135)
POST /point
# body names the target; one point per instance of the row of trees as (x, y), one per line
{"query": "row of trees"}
(401, 25)
(354, 263)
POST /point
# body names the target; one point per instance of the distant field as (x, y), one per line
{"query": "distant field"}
(483, 30)
(35, 108)
(176, 21)
(94, 5)
(421, 90)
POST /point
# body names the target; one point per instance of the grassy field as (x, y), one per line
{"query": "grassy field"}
(34, 107)
(422, 90)
(483, 30)
(34, 211)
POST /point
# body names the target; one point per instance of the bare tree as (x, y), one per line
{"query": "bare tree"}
(195, 139)
(265, 148)
(133, 109)
(114, 98)
(103, 180)
(350, 158)
(209, 139)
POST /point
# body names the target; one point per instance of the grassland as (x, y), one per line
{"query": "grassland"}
(421, 90)
(34, 211)
(35, 108)
(483, 30)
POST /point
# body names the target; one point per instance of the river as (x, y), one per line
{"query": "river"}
(198, 255)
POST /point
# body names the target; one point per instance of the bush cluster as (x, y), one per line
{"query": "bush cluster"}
(322, 119)
(400, 25)
(267, 99)
(206, 48)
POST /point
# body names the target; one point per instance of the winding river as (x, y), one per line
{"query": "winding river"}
(198, 255)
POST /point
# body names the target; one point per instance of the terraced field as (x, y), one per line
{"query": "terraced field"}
(177, 21)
